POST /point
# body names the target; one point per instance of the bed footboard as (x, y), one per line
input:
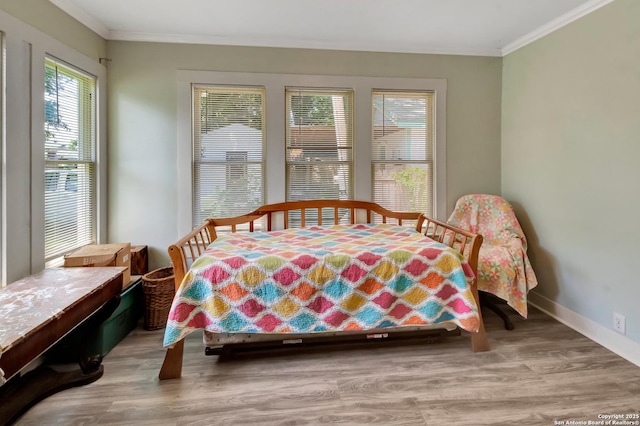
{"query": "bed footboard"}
(468, 244)
(315, 212)
(189, 248)
(182, 254)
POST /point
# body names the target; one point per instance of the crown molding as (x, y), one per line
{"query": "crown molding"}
(296, 44)
(95, 25)
(554, 25)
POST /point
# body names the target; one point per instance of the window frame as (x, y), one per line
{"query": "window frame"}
(87, 135)
(24, 52)
(87, 66)
(348, 149)
(242, 162)
(275, 167)
(428, 161)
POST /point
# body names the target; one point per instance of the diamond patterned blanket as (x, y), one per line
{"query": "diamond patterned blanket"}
(305, 280)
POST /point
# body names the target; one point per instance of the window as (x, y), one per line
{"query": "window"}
(403, 150)
(70, 159)
(228, 146)
(316, 135)
(319, 144)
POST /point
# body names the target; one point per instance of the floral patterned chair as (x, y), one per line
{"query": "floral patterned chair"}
(504, 269)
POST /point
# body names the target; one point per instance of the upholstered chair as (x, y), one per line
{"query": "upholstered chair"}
(504, 270)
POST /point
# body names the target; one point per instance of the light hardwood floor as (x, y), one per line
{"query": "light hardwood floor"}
(541, 373)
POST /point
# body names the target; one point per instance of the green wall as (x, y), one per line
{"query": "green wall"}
(143, 107)
(570, 161)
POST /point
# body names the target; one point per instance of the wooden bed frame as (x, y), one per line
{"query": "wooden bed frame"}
(277, 216)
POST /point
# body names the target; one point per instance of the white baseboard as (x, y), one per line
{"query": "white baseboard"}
(610, 339)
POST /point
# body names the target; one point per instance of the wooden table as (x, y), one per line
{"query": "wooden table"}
(35, 313)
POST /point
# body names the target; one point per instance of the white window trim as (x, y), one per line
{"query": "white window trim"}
(257, 155)
(275, 85)
(56, 261)
(91, 67)
(344, 139)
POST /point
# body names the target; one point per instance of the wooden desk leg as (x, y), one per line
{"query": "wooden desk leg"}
(23, 392)
(172, 365)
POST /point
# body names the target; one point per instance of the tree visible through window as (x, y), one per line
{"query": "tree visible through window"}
(345, 137)
(319, 144)
(70, 160)
(403, 150)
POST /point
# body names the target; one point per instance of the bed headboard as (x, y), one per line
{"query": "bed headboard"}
(314, 212)
(317, 212)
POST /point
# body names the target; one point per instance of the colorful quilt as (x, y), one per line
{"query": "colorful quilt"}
(337, 278)
(503, 266)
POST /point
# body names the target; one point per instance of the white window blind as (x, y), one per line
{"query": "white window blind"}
(70, 159)
(228, 151)
(319, 144)
(403, 150)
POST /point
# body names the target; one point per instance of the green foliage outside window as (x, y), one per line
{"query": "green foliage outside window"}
(413, 182)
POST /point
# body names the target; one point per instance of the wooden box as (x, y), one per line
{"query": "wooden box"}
(139, 260)
(102, 255)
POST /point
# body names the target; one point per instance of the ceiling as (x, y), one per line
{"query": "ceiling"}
(462, 27)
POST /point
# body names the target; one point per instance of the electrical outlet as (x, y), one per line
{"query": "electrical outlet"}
(619, 323)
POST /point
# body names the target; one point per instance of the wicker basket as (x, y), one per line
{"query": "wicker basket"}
(159, 289)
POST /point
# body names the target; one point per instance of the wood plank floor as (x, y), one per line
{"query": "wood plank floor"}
(538, 374)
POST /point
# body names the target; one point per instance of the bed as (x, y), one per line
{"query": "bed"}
(297, 270)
